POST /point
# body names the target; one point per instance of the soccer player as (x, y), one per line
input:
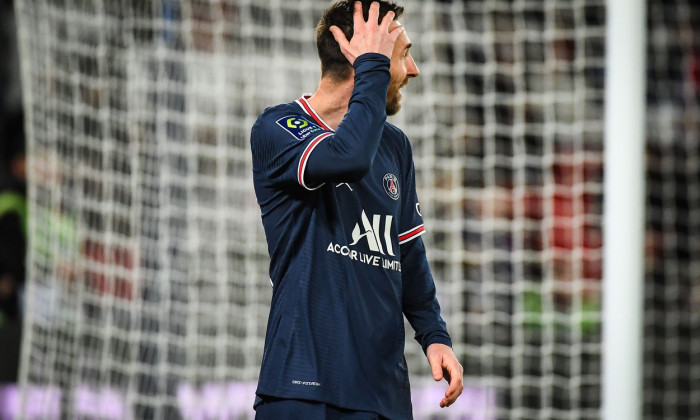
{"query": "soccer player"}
(336, 187)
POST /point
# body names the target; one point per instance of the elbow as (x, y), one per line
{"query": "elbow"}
(339, 170)
(342, 160)
(351, 167)
(348, 169)
(358, 168)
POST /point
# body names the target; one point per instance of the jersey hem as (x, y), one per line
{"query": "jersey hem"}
(260, 397)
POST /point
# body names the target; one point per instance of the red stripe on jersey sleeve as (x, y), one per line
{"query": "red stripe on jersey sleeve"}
(411, 234)
(305, 158)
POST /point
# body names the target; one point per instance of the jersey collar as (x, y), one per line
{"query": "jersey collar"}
(303, 102)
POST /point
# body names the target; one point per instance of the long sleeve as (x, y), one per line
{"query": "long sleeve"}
(419, 300)
(420, 304)
(348, 155)
(291, 150)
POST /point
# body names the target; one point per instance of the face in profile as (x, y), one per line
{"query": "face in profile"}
(402, 69)
(393, 96)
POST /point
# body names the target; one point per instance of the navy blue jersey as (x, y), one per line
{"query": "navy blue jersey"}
(343, 228)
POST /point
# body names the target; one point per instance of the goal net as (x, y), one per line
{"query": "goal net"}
(148, 290)
(672, 296)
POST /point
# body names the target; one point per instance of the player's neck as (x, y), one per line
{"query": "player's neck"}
(331, 99)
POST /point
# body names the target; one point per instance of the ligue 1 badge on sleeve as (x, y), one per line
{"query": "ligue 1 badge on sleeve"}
(299, 127)
(391, 186)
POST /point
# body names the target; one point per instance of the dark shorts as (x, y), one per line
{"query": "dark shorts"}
(285, 409)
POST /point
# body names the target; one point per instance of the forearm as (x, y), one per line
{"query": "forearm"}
(348, 154)
(420, 304)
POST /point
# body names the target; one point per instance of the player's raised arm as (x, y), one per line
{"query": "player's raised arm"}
(334, 139)
(348, 154)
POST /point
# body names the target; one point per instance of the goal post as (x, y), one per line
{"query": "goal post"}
(625, 147)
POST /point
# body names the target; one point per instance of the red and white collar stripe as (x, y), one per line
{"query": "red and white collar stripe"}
(411, 234)
(303, 102)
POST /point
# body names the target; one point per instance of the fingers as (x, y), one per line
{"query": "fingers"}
(368, 36)
(453, 391)
(339, 37)
(456, 381)
(357, 17)
(373, 16)
(386, 21)
(373, 12)
(444, 364)
(435, 362)
(343, 43)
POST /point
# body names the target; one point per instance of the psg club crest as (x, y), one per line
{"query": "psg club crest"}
(391, 185)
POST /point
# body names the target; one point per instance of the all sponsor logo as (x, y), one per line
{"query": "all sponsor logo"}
(372, 233)
(376, 233)
(391, 186)
(299, 127)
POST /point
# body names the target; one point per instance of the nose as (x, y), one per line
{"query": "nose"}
(412, 67)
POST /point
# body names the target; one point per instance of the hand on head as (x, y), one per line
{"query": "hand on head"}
(368, 36)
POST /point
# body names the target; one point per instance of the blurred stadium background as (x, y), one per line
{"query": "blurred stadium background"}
(146, 291)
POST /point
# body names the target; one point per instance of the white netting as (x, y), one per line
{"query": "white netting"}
(510, 159)
(672, 304)
(148, 290)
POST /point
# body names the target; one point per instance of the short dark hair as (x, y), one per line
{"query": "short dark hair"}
(333, 62)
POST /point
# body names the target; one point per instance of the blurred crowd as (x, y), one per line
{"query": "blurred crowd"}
(13, 203)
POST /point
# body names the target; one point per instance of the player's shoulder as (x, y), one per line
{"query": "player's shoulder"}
(395, 135)
(283, 124)
(282, 118)
(271, 114)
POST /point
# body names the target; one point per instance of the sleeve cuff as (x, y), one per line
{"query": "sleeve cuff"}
(440, 337)
(371, 61)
